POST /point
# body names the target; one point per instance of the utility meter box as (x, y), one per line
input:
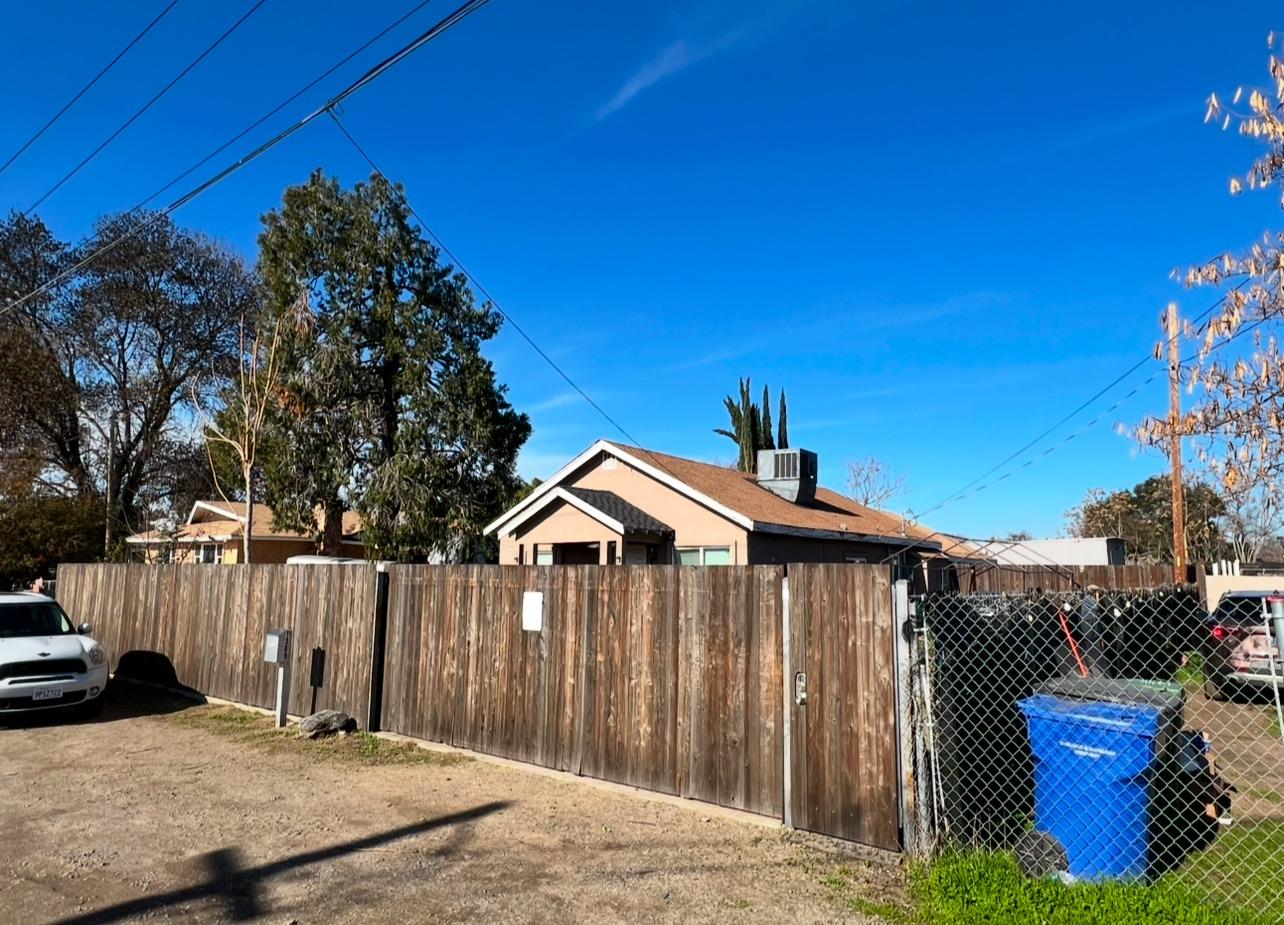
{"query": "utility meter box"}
(276, 650)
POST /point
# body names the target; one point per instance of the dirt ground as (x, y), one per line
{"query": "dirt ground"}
(1248, 752)
(155, 813)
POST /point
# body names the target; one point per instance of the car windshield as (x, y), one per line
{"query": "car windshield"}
(37, 618)
(1238, 611)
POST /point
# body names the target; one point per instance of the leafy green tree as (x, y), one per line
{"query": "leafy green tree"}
(751, 426)
(42, 530)
(1143, 518)
(386, 403)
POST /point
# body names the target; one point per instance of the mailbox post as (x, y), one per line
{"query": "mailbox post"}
(276, 651)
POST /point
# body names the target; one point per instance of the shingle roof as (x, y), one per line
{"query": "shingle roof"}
(741, 492)
(612, 505)
(210, 520)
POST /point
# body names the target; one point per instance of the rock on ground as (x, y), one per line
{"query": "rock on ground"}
(326, 723)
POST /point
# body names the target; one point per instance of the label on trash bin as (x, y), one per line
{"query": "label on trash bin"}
(1088, 751)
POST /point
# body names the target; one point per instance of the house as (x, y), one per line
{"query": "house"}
(1073, 550)
(214, 530)
(621, 504)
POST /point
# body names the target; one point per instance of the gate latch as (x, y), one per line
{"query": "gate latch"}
(800, 688)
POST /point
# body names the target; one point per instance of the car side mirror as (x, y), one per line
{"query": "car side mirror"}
(85, 629)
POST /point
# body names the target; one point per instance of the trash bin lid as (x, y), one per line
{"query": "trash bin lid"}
(1169, 699)
(1104, 717)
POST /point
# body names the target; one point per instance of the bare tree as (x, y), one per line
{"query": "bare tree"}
(240, 426)
(872, 482)
(1236, 421)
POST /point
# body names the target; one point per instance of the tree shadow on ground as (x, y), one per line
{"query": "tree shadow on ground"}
(238, 887)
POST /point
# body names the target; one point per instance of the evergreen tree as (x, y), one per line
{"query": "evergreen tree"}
(782, 441)
(751, 426)
(386, 402)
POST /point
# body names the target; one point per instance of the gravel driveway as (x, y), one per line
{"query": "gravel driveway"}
(154, 812)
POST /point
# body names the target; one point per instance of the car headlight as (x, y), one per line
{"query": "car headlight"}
(97, 656)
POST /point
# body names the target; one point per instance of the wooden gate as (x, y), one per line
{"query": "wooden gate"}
(843, 749)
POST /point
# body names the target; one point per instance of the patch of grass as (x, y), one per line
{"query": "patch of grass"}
(976, 888)
(1191, 674)
(1243, 866)
(260, 731)
(846, 890)
(1264, 793)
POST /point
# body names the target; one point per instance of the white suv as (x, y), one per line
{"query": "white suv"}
(45, 661)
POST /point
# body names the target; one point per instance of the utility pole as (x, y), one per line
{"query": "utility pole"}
(1172, 326)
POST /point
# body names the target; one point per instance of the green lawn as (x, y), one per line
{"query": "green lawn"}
(989, 889)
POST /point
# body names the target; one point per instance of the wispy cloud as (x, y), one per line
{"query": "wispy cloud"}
(683, 52)
(714, 357)
(560, 400)
(1106, 131)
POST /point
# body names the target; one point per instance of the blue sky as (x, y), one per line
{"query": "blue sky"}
(939, 228)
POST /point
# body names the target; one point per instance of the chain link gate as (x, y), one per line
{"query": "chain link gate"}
(1096, 735)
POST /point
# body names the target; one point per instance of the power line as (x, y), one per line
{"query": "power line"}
(87, 87)
(419, 41)
(146, 106)
(284, 103)
(490, 298)
(964, 493)
(1085, 404)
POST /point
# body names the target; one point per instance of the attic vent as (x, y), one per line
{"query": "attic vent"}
(791, 474)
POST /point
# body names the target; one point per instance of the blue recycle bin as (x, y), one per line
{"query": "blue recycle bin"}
(1092, 763)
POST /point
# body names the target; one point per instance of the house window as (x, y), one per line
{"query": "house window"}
(210, 554)
(704, 555)
(544, 556)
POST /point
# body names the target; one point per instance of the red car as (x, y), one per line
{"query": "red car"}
(1241, 655)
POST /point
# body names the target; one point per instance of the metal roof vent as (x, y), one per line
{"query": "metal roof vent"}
(789, 473)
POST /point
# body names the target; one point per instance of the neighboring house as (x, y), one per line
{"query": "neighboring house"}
(1075, 550)
(214, 531)
(621, 504)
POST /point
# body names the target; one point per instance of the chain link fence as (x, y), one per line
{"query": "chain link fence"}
(1106, 736)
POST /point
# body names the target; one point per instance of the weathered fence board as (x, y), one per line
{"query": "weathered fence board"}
(209, 621)
(844, 775)
(1015, 578)
(660, 677)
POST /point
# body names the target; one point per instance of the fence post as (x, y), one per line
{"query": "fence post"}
(787, 674)
(374, 717)
(905, 637)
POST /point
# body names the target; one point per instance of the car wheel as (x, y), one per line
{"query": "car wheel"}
(1213, 689)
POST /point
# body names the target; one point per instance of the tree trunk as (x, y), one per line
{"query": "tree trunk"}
(332, 529)
(248, 532)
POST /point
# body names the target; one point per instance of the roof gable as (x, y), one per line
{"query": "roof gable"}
(738, 497)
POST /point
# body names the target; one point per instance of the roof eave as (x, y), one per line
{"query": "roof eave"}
(813, 533)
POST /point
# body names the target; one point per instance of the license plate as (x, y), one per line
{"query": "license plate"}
(46, 693)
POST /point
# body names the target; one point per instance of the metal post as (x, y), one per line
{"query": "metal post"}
(904, 631)
(1277, 617)
(282, 692)
(787, 691)
(374, 715)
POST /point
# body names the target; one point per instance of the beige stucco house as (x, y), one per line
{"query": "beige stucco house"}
(214, 531)
(621, 504)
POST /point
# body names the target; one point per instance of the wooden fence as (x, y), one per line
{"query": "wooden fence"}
(210, 622)
(661, 677)
(1015, 578)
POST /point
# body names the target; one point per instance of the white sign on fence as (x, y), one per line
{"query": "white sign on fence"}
(533, 611)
